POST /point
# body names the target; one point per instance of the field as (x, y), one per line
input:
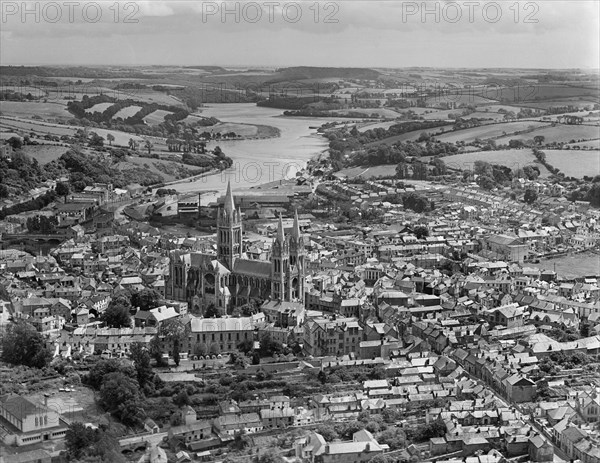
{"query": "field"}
(368, 172)
(581, 103)
(410, 136)
(544, 92)
(560, 133)
(28, 109)
(381, 112)
(575, 163)
(577, 265)
(157, 117)
(129, 111)
(44, 153)
(99, 108)
(514, 159)
(591, 144)
(488, 131)
(245, 130)
(378, 125)
(462, 96)
(43, 128)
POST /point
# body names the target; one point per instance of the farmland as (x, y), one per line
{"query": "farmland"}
(44, 128)
(513, 158)
(557, 134)
(99, 108)
(28, 109)
(157, 117)
(575, 163)
(44, 153)
(129, 111)
(489, 131)
(368, 172)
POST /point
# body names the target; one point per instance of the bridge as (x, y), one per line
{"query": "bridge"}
(37, 237)
(138, 442)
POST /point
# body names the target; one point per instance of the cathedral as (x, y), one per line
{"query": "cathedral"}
(229, 278)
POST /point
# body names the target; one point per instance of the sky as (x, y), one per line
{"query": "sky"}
(394, 33)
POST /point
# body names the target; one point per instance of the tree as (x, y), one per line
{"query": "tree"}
(182, 398)
(102, 368)
(421, 232)
(96, 140)
(16, 143)
(117, 315)
(110, 137)
(530, 196)
(148, 145)
(119, 395)
(394, 437)
(381, 458)
(78, 438)
(176, 357)
(212, 311)
(133, 144)
(327, 431)
(62, 189)
(141, 362)
(22, 344)
(145, 299)
(539, 139)
(268, 346)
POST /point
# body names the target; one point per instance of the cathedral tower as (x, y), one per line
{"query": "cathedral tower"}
(229, 231)
(280, 258)
(297, 261)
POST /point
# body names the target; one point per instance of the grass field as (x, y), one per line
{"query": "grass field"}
(129, 111)
(560, 133)
(462, 96)
(29, 109)
(590, 144)
(43, 128)
(580, 103)
(513, 158)
(381, 112)
(157, 117)
(44, 153)
(378, 125)
(577, 265)
(99, 108)
(245, 130)
(410, 136)
(561, 91)
(368, 172)
(488, 131)
(575, 163)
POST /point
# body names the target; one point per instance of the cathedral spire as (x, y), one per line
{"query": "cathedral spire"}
(296, 227)
(229, 205)
(280, 234)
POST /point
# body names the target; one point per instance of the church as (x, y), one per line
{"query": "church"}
(229, 278)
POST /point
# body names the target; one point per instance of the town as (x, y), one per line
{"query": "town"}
(299, 265)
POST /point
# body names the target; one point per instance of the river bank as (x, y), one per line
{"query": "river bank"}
(257, 162)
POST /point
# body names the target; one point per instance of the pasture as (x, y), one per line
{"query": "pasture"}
(45, 128)
(98, 108)
(485, 132)
(459, 96)
(378, 125)
(27, 109)
(368, 172)
(513, 158)
(558, 134)
(411, 136)
(44, 153)
(129, 111)
(575, 163)
(245, 130)
(157, 117)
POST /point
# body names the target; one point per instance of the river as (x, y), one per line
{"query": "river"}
(260, 161)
